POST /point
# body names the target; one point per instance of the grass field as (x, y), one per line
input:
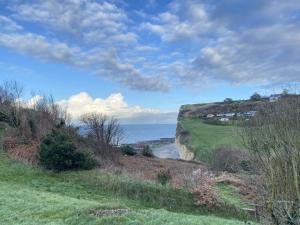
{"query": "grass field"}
(32, 196)
(206, 137)
(231, 195)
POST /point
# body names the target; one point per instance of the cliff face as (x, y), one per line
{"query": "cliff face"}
(184, 152)
(182, 137)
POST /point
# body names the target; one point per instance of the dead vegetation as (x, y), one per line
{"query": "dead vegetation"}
(193, 176)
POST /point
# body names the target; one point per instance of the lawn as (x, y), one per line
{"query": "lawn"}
(29, 195)
(206, 137)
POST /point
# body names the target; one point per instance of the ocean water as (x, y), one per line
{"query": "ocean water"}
(146, 132)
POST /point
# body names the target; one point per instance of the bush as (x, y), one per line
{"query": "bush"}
(230, 160)
(163, 177)
(128, 150)
(58, 152)
(147, 151)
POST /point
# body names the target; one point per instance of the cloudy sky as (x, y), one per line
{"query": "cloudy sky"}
(140, 60)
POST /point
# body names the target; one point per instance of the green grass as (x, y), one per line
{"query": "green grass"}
(29, 195)
(230, 195)
(206, 137)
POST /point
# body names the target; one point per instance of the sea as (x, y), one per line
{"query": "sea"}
(134, 133)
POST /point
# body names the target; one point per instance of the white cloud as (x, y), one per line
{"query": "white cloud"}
(114, 105)
(8, 25)
(39, 46)
(33, 101)
(88, 20)
(185, 21)
(257, 44)
(105, 65)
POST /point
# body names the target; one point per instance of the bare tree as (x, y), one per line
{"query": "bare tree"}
(10, 100)
(104, 133)
(28, 122)
(273, 137)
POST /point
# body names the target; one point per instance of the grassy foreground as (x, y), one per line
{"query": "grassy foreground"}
(32, 196)
(206, 137)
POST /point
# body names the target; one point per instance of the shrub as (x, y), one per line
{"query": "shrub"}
(230, 160)
(246, 165)
(128, 150)
(147, 151)
(163, 177)
(58, 152)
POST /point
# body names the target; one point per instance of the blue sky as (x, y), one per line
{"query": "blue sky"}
(140, 60)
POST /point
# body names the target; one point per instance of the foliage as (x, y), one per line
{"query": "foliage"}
(147, 151)
(230, 195)
(41, 197)
(163, 177)
(28, 123)
(273, 139)
(231, 160)
(58, 152)
(128, 150)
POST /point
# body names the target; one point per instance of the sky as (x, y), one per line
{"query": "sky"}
(139, 60)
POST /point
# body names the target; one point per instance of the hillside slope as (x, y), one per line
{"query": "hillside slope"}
(32, 196)
(197, 137)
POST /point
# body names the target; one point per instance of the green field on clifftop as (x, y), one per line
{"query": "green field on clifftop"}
(204, 138)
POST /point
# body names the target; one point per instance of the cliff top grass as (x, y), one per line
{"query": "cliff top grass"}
(204, 138)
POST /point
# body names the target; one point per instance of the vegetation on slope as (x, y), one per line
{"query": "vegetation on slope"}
(230, 194)
(204, 138)
(32, 196)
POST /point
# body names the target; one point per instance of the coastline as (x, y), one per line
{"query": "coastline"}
(184, 152)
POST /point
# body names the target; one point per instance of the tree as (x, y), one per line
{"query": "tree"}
(104, 133)
(272, 137)
(228, 100)
(10, 102)
(255, 97)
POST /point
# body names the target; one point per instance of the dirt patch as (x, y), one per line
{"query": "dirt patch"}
(111, 212)
(195, 176)
(147, 168)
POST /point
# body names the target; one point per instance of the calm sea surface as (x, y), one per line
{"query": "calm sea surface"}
(146, 132)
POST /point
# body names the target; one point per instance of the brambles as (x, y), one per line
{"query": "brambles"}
(163, 177)
(227, 159)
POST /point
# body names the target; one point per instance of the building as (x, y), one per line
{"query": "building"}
(229, 114)
(224, 119)
(250, 113)
(210, 116)
(274, 98)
